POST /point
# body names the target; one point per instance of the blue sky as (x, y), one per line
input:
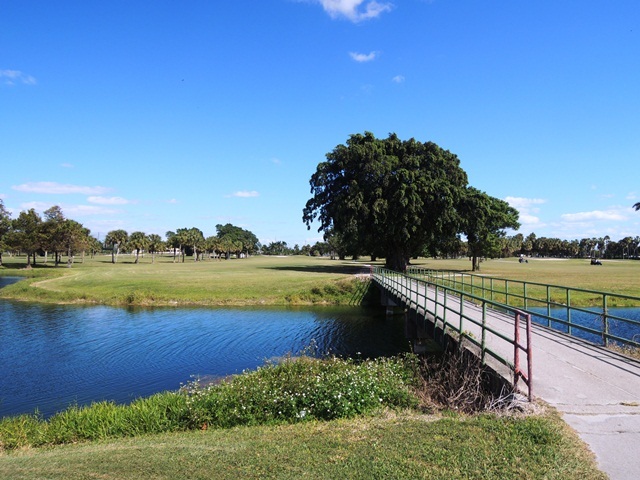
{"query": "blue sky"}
(158, 115)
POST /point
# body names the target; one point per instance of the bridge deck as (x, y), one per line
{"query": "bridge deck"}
(596, 390)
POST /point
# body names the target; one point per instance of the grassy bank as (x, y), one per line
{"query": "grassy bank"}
(401, 445)
(362, 420)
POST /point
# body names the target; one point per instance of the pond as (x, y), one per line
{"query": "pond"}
(56, 355)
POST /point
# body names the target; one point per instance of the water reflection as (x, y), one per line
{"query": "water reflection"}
(55, 355)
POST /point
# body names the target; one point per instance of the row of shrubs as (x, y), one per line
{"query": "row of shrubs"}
(294, 390)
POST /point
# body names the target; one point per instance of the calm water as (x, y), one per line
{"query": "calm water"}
(52, 356)
(627, 326)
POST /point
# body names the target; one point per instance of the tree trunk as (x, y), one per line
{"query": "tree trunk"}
(475, 263)
(397, 261)
(137, 255)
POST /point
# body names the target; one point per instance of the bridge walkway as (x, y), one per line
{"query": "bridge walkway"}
(596, 390)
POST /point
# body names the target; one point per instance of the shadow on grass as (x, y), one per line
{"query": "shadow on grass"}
(344, 269)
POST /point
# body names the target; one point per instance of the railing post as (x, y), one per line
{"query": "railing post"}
(605, 320)
(529, 357)
(548, 306)
(484, 333)
(569, 310)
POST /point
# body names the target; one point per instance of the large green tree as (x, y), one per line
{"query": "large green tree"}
(26, 234)
(483, 220)
(52, 231)
(387, 195)
(233, 236)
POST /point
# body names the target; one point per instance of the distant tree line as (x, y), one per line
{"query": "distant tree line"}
(602, 247)
(55, 235)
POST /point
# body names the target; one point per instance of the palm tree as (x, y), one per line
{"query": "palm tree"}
(138, 241)
(155, 245)
(116, 239)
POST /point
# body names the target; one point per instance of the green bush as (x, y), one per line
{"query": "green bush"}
(298, 389)
(301, 389)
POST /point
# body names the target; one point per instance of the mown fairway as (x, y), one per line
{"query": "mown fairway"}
(265, 280)
(250, 281)
(616, 276)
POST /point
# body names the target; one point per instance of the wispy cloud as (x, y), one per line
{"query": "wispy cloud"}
(612, 214)
(524, 203)
(527, 209)
(398, 79)
(363, 57)
(108, 200)
(71, 210)
(59, 188)
(245, 194)
(66, 165)
(83, 210)
(12, 77)
(355, 10)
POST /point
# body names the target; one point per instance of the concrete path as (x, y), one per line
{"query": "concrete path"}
(596, 390)
(598, 393)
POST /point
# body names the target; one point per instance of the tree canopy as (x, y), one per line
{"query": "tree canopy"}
(394, 198)
(483, 220)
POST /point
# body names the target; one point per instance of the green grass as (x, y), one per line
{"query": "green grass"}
(295, 390)
(402, 445)
(358, 424)
(273, 280)
(274, 439)
(617, 276)
(252, 281)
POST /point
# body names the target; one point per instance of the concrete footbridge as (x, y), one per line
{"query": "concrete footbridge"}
(534, 343)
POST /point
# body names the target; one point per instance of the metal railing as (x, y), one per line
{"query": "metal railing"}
(462, 313)
(552, 305)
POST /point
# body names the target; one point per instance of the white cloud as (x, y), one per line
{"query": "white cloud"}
(398, 79)
(355, 10)
(82, 210)
(59, 188)
(39, 206)
(108, 200)
(363, 57)
(71, 211)
(611, 214)
(172, 201)
(528, 220)
(66, 165)
(526, 211)
(524, 203)
(11, 77)
(245, 194)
